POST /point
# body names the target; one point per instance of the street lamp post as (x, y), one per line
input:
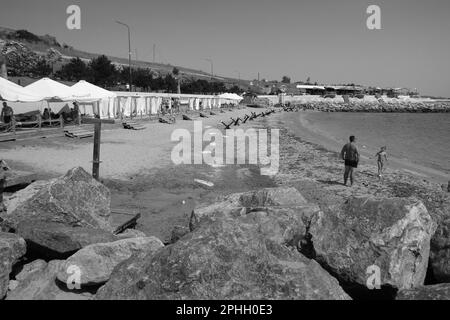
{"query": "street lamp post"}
(129, 52)
(212, 67)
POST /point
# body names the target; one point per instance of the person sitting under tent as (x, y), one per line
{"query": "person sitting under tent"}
(46, 114)
(75, 111)
(6, 114)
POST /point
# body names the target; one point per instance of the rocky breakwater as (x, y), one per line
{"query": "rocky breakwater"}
(60, 243)
(397, 106)
(273, 244)
(242, 247)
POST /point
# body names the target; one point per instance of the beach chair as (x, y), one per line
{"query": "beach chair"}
(132, 125)
(79, 133)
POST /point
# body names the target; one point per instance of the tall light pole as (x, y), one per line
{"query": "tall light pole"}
(212, 67)
(129, 51)
(239, 75)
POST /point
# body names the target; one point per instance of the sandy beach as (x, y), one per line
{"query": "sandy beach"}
(137, 168)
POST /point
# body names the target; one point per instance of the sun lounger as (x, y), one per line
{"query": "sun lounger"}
(132, 125)
(79, 133)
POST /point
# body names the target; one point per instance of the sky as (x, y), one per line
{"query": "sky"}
(326, 40)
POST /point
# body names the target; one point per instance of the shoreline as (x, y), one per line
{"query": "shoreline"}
(311, 132)
(166, 194)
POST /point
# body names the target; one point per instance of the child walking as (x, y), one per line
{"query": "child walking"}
(381, 160)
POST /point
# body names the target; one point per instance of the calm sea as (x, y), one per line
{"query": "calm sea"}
(422, 139)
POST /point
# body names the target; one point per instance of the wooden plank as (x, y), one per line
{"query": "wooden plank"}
(131, 223)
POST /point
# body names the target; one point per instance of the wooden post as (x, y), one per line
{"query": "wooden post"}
(96, 158)
(61, 121)
(39, 121)
(14, 124)
(97, 136)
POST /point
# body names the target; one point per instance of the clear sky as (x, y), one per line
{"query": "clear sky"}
(326, 40)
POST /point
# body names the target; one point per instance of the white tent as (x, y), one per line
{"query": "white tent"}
(104, 99)
(53, 90)
(10, 91)
(230, 96)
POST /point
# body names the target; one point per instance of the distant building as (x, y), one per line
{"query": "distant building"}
(311, 89)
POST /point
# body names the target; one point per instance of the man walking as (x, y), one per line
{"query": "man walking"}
(350, 155)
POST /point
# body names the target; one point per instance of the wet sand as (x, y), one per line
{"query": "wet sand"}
(309, 131)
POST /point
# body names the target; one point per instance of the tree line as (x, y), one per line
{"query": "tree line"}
(102, 72)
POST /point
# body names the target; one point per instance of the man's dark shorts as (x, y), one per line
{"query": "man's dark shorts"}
(351, 163)
(7, 119)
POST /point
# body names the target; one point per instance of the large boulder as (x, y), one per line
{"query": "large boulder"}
(436, 292)
(52, 240)
(285, 208)
(240, 203)
(224, 258)
(391, 234)
(75, 199)
(96, 262)
(38, 282)
(439, 205)
(12, 248)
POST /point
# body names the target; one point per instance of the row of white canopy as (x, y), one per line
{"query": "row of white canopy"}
(47, 93)
(50, 90)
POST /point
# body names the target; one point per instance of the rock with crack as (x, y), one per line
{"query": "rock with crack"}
(435, 292)
(50, 240)
(178, 232)
(75, 199)
(96, 262)
(440, 243)
(130, 233)
(38, 282)
(12, 248)
(392, 234)
(239, 203)
(224, 258)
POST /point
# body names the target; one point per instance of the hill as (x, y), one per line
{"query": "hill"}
(42, 45)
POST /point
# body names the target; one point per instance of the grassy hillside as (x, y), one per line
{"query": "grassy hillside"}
(40, 44)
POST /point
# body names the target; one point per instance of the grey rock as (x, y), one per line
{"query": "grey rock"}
(41, 284)
(225, 258)
(392, 234)
(29, 268)
(178, 232)
(240, 203)
(435, 292)
(75, 199)
(52, 240)
(130, 233)
(12, 248)
(96, 262)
